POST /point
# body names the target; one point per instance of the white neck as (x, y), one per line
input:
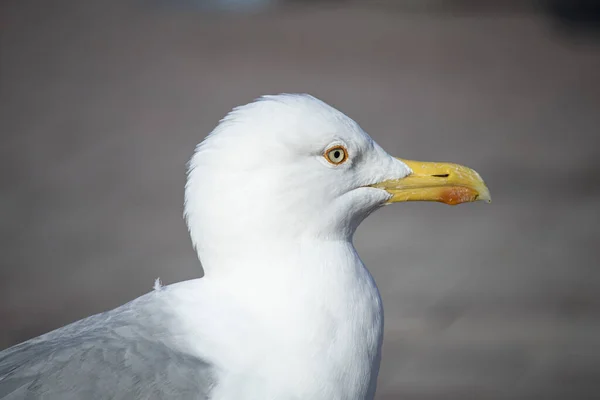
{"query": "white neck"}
(314, 321)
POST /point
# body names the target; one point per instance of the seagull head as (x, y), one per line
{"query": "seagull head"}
(291, 167)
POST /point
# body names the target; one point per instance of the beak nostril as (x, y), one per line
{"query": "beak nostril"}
(441, 175)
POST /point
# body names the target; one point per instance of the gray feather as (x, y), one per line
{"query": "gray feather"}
(125, 353)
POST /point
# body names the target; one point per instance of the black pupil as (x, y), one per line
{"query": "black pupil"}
(336, 154)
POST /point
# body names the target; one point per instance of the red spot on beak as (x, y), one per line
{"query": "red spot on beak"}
(457, 195)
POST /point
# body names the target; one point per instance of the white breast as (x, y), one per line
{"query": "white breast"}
(308, 331)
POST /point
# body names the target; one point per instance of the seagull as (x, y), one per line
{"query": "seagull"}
(286, 308)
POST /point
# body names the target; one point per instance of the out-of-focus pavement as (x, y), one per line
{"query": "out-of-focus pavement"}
(102, 104)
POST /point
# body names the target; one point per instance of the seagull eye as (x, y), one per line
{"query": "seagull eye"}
(336, 155)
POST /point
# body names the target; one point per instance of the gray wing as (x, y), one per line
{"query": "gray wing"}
(120, 354)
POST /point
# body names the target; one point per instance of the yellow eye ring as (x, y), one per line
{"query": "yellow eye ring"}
(336, 155)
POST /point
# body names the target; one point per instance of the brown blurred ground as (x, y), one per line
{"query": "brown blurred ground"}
(101, 105)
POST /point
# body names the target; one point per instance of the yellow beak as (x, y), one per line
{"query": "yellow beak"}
(431, 181)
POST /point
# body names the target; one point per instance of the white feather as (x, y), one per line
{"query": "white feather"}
(286, 309)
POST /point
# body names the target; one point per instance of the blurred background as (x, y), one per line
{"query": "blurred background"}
(102, 102)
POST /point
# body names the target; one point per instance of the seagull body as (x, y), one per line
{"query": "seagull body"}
(286, 309)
